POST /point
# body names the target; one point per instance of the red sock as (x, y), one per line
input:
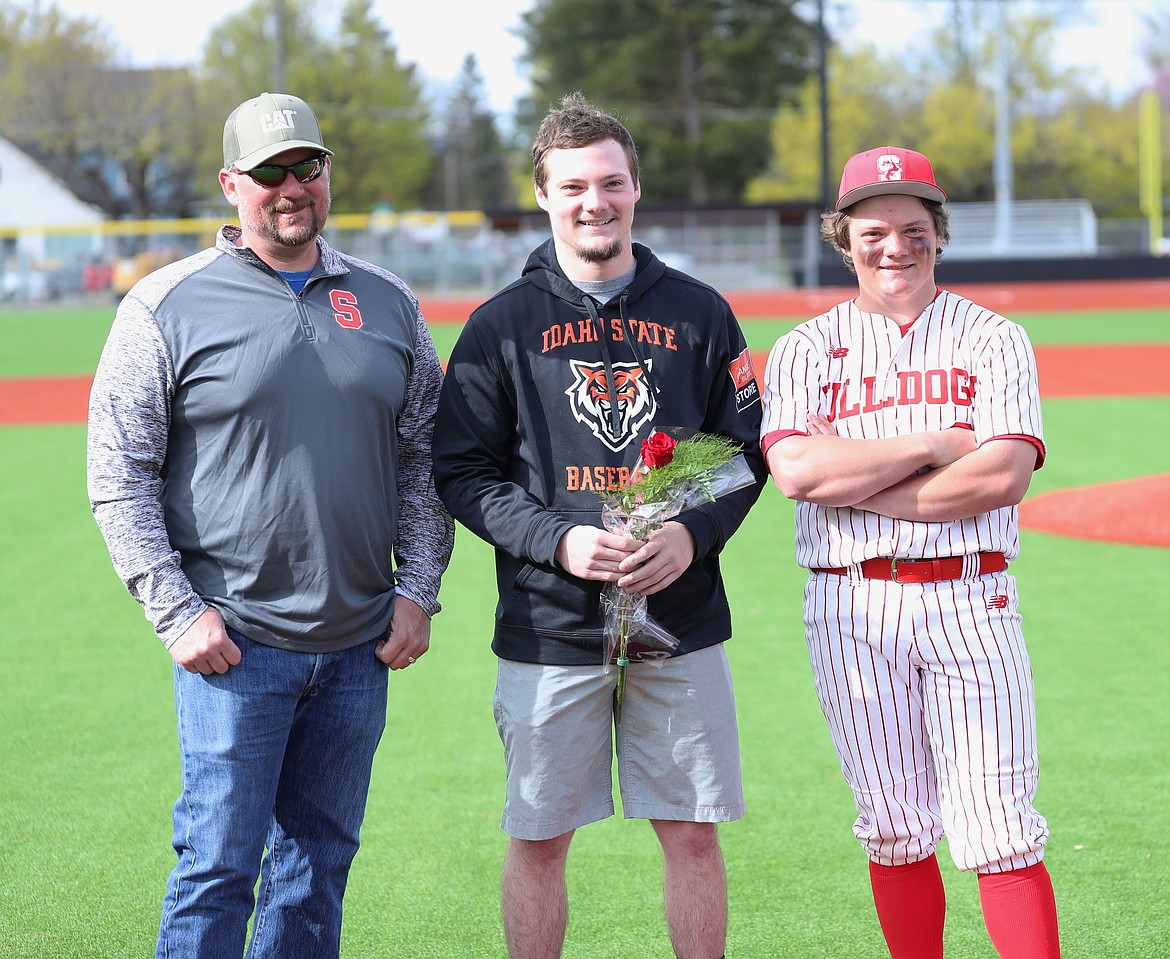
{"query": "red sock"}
(1019, 910)
(911, 906)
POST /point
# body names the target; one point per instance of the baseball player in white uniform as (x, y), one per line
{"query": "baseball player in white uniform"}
(905, 423)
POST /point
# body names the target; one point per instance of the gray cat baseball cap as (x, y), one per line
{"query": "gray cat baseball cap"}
(260, 128)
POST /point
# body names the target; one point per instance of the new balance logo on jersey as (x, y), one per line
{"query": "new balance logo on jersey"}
(907, 388)
(998, 601)
(614, 422)
(838, 352)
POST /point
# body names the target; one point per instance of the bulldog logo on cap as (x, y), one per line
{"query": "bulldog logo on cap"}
(886, 170)
(889, 166)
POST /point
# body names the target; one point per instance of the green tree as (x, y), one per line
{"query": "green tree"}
(154, 143)
(472, 172)
(1156, 43)
(871, 101)
(371, 107)
(696, 80)
(1102, 167)
(1065, 137)
(69, 104)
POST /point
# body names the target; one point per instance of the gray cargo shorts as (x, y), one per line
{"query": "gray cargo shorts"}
(677, 745)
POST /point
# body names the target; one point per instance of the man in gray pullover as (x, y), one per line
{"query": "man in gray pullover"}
(259, 465)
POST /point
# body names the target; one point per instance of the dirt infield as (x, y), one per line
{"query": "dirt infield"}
(1003, 298)
(1098, 370)
(1125, 511)
(1130, 511)
(1107, 369)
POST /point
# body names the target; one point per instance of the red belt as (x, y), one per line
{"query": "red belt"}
(922, 570)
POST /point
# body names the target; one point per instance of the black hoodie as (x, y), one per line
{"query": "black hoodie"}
(546, 401)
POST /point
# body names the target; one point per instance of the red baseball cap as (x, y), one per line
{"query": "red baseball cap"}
(887, 170)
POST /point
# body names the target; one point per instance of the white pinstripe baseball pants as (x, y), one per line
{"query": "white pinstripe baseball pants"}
(928, 695)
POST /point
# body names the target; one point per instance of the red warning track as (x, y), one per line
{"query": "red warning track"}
(1003, 298)
(1065, 371)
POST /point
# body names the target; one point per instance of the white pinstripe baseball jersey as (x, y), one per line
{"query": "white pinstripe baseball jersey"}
(957, 363)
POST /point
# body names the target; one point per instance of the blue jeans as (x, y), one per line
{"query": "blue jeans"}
(276, 755)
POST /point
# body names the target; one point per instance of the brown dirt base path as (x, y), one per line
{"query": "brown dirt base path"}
(1129, 511)
(1100, 370)
(1126, 511)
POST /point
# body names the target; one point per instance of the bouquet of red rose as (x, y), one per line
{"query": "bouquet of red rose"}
(677, 470)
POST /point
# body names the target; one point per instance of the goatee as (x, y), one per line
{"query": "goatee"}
(600, 254)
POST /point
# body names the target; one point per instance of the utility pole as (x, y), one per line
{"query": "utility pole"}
(280, 46)
(1003, 132)
(823, 85)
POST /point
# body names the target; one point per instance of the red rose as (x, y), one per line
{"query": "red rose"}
(658, 450)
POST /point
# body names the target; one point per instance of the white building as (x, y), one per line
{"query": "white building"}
(36, 212)
(30, 196)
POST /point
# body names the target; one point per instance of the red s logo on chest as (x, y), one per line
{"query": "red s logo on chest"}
(345, 309)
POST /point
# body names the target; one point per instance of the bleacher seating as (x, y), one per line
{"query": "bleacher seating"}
(1036, 229)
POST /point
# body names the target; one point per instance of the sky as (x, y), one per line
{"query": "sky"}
(436, 35)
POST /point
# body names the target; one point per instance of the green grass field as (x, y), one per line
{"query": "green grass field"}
(90, 768)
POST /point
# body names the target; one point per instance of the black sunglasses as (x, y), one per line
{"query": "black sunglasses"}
(273, 174)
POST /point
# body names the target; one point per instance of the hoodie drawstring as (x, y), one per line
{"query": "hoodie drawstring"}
(607, 361)
(634, 347)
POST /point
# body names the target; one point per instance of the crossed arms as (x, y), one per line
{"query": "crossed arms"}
(930, 476)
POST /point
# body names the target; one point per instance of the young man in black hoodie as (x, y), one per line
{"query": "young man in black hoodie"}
(550, 390)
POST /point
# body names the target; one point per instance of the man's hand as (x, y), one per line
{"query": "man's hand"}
(951, 445)
(831, 470)
(663, 559)
(205, 647)
(409, 636)
(591, 553)
(946, 446)
(995, 475)
(817, 425)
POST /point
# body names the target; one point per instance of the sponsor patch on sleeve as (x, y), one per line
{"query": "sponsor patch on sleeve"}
(747, 389)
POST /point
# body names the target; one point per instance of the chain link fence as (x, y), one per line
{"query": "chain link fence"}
(475, 254)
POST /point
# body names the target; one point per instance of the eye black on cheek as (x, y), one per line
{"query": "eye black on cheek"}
(866, 253)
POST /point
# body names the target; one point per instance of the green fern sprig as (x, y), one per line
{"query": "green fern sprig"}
(696, 459)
